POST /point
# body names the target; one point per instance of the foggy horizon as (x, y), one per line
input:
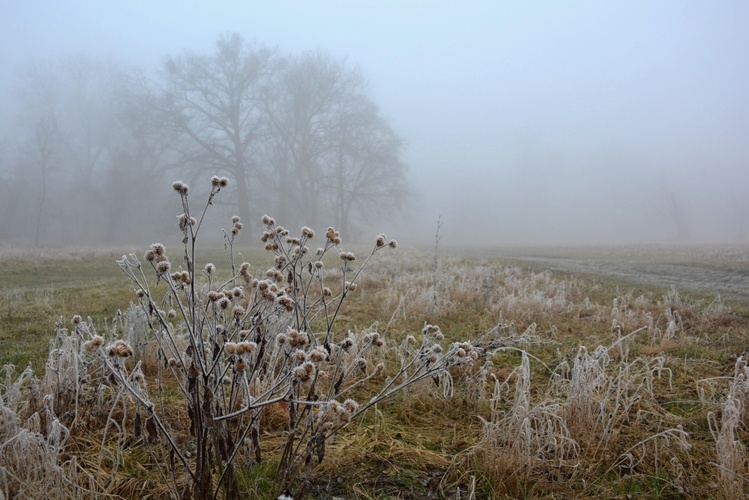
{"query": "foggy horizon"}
(535, 123)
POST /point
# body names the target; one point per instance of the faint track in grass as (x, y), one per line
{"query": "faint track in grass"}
(706, 271)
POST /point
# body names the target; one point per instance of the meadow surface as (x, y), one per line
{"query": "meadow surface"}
(595, 372)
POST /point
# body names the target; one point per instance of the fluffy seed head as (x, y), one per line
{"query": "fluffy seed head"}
(185, 222)
(92, 344)
(120, 349)
(318, 355)
(347, 256)
(238, 311)
(181, 188)
(347, 343)
(301, 374)
(351, 405)
(246, 347)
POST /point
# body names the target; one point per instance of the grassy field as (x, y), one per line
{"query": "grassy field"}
(610, 373)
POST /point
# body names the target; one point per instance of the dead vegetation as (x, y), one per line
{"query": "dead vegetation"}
(340, 384)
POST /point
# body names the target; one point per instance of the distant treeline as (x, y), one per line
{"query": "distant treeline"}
(90, 154)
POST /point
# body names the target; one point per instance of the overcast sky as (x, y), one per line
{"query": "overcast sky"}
(524, 121)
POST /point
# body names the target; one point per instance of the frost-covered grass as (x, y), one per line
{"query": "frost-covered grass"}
(571, 387)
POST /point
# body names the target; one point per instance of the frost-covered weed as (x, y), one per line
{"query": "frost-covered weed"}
(32, 441)
(236, 342)
(528, 434)
(730, 451)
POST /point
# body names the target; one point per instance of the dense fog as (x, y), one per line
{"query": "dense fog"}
(510, 123)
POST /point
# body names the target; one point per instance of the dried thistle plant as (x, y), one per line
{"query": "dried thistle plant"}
(234, 346)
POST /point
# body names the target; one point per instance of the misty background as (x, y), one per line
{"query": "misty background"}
(514, 123)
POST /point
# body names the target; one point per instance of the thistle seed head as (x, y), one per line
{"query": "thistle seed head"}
(318, 355)
(181, 188)
(238, 311)
(301, 374)
(246, 347)
(350, 405)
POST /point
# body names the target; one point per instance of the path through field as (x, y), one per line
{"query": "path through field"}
(708, 271)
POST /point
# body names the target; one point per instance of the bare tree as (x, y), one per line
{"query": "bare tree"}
(330, 148)
(672, 207)
(93, 136)
(66, 108)
(38, 136)
(365, 169)
(301, 105)
(213, 102)
(38, 155)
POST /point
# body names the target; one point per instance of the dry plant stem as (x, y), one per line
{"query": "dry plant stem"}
(123, 379)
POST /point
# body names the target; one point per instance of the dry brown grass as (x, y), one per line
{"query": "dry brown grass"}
(425, 442)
